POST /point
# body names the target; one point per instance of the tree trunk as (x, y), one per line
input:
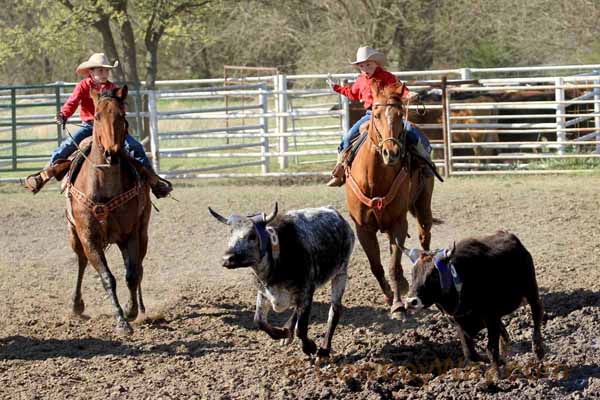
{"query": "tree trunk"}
(128, 41)
(108, 43)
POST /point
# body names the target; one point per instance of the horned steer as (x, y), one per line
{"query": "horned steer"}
(290, 256)
(477, 282)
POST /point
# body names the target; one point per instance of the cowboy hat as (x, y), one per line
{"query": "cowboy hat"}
(366, 53)
(96, 60)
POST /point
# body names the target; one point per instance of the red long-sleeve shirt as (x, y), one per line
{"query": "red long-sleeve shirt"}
(81, 96)
(361, 89)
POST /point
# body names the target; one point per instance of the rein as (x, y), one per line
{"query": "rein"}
(97, 166)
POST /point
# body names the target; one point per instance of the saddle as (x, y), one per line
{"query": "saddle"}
(76, 161)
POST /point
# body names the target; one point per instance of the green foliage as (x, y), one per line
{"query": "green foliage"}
(44, 40)
(489, 54)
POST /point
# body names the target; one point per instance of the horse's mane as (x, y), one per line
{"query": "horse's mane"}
(391, 93)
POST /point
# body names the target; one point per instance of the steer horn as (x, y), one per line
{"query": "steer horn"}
(218, 216)
(270, 217)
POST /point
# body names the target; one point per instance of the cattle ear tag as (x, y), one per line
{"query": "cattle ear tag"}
(274, 242)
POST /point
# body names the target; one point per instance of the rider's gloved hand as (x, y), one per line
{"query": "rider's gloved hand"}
(60, 118)
(330, 82)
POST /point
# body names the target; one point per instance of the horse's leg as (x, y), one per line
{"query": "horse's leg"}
(131, 255)
(397, 236)
(78, 304)
(423, 212)
(143, 248)
(97, 258)
(369, 243)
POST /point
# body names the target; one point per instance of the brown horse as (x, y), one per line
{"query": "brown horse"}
(381, 187)
(106, 203)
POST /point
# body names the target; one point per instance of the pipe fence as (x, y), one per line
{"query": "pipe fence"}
(290, 125)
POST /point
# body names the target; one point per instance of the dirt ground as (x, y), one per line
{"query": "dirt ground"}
(198, 340)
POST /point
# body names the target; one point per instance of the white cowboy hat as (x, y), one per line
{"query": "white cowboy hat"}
(368, 53)
(96, 60)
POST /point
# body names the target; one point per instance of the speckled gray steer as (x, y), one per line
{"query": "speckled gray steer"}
(292, 255)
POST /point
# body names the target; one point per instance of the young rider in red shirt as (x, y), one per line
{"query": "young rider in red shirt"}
(96, 70)
(370, 62)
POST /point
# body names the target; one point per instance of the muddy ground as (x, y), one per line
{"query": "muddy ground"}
(198, 341)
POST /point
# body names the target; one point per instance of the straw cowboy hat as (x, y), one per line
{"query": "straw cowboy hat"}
(368, 53)
(96, 60)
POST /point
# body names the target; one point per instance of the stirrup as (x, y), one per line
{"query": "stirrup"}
(35, 182)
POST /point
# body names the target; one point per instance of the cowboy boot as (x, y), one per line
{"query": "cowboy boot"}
(337, 175)
(160, 186)
(35, 182)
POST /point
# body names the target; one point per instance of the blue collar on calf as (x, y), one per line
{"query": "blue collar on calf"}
(448, 274)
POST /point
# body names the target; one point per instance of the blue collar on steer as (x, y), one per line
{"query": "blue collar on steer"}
(448, 274)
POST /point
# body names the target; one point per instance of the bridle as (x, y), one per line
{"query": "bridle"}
(107, 96)
(380, 141)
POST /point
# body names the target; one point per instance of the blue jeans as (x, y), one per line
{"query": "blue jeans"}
(413, 134)
(69, 145)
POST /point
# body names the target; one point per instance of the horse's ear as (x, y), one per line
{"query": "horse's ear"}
(94, 95)
(122, 92)
(375, 88)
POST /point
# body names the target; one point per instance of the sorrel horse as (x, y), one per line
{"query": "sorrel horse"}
(381, 187)
(106, 203)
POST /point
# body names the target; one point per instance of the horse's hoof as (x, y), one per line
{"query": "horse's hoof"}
(398, 308)
(78, 307)
(388, 299)
(309, 347)
(124, 328)
(323, 353)
(131, 312)
(290, 337)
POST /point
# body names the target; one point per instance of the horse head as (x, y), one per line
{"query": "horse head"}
(109, 121)
(387, 128)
